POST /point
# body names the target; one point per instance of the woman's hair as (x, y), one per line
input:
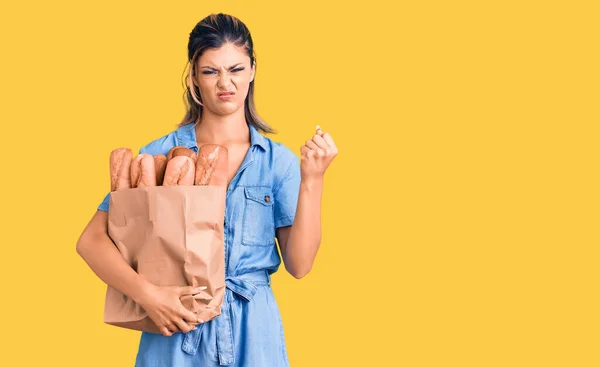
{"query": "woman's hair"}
(212, 32)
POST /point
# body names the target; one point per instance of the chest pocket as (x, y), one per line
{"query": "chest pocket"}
(259, 221)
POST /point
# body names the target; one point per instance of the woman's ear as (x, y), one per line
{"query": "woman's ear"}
(193, 76)
(253, 72)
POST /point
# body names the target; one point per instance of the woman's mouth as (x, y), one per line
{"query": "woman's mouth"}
(226, 96)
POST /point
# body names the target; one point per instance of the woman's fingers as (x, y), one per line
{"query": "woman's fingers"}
(173, 328)
(307, 152)
(183, 326)
(315, 148)
(311, 144)
(168, 313)
(189, 316)
(320, 142)
(327, 138)
(332, 147)
(165, 331)
(318, 139)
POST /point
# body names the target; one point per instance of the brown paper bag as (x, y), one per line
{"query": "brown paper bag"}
(170, 235)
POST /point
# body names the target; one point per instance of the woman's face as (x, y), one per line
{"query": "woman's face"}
(226, 69)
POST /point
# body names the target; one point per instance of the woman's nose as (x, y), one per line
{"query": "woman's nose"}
(224, 79)
(224, 82)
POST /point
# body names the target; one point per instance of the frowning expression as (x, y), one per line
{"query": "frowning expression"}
(223, 76)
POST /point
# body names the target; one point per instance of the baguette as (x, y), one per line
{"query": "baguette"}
(181, 150)
(212, 165)
(120, 161)
(160, 164)
(143, 173)
(180, 171)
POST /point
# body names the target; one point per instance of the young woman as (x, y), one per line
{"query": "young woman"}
(270, 195)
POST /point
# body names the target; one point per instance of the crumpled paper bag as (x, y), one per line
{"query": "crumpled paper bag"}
(170, 235)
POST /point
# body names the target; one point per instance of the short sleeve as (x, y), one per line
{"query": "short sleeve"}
(286, 195)
(105, 203)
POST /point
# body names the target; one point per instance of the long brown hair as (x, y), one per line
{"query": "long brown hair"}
(212, 32)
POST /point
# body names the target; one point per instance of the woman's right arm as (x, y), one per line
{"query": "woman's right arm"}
(161, 303)
(100, 253)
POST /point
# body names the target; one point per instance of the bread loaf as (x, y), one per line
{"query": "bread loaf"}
(181, 150)
(212, 165)
(181, 166)
(160, 164)
(120, 161)
(143, 173)
(180, 171)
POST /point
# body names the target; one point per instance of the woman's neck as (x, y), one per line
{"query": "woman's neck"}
(222, 130)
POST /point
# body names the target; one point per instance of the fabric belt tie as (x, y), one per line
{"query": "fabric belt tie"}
(244, 286)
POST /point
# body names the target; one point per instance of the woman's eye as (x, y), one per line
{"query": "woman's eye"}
(212, 72)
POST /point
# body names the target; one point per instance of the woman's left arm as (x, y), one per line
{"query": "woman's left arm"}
(300, 242)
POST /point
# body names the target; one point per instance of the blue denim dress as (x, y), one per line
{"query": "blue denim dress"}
(262, 196)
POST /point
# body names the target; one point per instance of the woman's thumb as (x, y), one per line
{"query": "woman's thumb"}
(319, 131)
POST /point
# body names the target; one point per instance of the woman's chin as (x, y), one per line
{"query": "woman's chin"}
(226, 109)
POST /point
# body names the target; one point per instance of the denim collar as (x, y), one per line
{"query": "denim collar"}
(186, 136)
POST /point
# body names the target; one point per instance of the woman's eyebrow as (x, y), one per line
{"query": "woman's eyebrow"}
(231, 67)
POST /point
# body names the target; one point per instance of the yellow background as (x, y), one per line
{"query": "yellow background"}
(460, 218)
